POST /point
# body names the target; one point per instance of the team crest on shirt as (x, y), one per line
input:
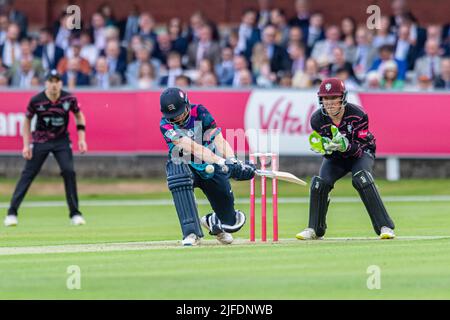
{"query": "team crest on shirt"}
(349, 128)
(328, 86)
(66, 106)
(41, 108)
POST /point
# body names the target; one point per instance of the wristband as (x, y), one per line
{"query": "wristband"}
(81, 127)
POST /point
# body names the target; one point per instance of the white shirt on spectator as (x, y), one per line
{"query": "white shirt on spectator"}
(8, 58)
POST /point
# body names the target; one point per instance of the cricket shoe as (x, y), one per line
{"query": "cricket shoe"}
(191, 240)
(77, 220)
(387, 233)
(308, 234)
(11, 221)
(221, 236)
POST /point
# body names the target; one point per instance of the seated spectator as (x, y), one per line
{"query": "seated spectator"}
(285, 80)
(98, 29)
(239, 64)
(258, 58)
(404, 47)
(4, 70)
(425, 83)
(47, 50)
(146, 27)
(297, 57)
(182, 81)
(435, 32)
(295, 35)
(23, 75)
(340, 63)
(131, 24)
(107, 11)
(142, 56)
(4, 81)
(265, 77)
(364, 55)
(278, 56)
(323, 50)
(391, 78)
(8, 7)
(373, 80)
(88, 50)
(196, 22)
(248, 34)
(174, 69)
(278, 19)
(225, 70)
(430, 64)
(75, 52)
(163, 47)
(102, 78)
(443, 81)
(73, 77)
(115, 63)
(348, 27)
(245, 78)
(205, 47)
(386, 53)
(147, 77)
(10, 50)
(178, 41)
(208, 80)
(27, 54)
(314, 32)
(63, 34)
(383, 35)
(349, 81)
(232, 41)
(309, 78)
(264, 13)
(302, 15)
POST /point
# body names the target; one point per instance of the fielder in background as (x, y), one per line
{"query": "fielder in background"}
(52, 108)
(341, 134)
(199, 156)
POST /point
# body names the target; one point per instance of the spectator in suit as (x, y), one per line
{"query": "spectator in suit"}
(115, 63)
(75, 52)
(404, 47)
(339, 63)
(15, 16)
(278, 57)
(10, 50)
(248, 33)
(443, 81)
(205, 47)
(386, 53)
(430, 64)
(131, 24)
(323, 50)
(24, 75)
(163, 47)
(107, 11)
(73, 77)
(225, 70)
(400, 10)
(102, 78)
(63, 34)
(239, 63)
(142, 56)
(435, 32)
(4, 23)
(98, 29)
(174, 69)
(47, 50)
(146, 27)
(417, 34)
(314, 32)
(264, 13)
(364, 54)
(302, 15)
(196, 22)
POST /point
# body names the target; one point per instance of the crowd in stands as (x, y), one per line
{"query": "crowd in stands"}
(268, 48)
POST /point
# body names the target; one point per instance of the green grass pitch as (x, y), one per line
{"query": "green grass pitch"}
(131, 252)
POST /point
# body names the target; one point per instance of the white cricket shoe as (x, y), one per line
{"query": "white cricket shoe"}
(387, 233)
(223, 238)
(191, 240)
(77, 220)
(11, 221)
(308, 234)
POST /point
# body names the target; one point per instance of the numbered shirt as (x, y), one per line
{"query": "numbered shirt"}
(354, 125)
(52, 117)
(201, 128)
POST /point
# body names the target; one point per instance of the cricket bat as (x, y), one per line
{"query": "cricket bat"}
(280, 175)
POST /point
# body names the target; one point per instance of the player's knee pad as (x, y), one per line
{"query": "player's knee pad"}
(365, 185)
(181, 185)
(318, 206)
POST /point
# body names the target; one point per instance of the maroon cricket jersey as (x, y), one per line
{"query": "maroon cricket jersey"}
(355, 126)
(52, 117)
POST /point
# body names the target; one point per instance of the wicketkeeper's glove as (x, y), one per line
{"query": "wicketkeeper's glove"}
(318, 143)
(339, 142)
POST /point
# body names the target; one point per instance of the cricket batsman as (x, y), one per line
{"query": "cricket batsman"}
(199, 156)
(341, 134)
(51, 108)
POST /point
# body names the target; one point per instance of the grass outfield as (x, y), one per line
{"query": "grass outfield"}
(137, 267)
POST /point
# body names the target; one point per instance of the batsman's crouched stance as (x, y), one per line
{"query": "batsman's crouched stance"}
(191, 133)
(341, 134)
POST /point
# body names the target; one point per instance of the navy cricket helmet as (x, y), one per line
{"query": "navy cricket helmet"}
(173, 102)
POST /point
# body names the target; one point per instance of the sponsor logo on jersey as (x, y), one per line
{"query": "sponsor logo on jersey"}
(363, 134)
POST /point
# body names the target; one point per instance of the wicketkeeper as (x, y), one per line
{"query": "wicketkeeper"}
(341, 134)
(199, 156)
(52, 108)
